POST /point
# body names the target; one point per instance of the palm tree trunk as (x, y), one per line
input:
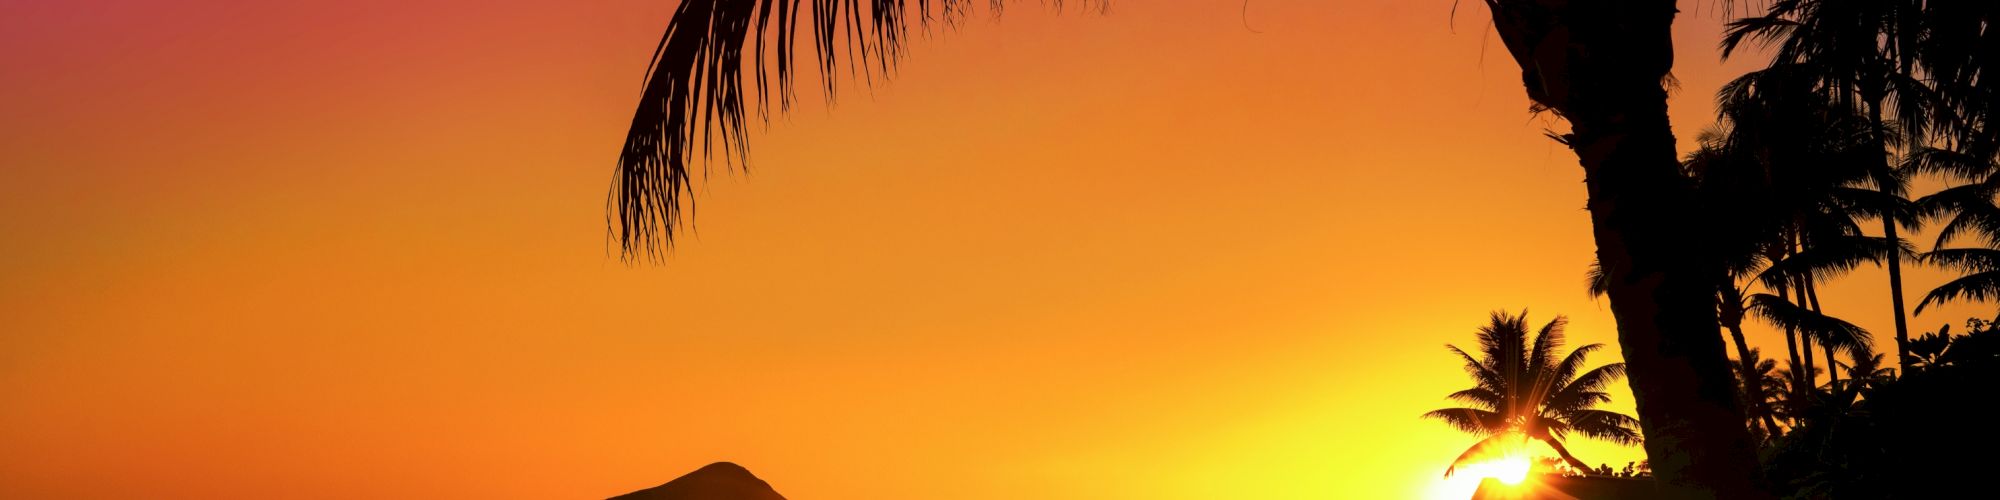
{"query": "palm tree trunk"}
(1792, 348)
(1730, 312)
(1896, 292)
(1811, 374)
(1895, 256)
(1571, 459)
(1832, 368)
(1600, 65)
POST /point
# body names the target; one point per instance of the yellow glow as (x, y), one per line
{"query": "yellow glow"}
(1511, 469)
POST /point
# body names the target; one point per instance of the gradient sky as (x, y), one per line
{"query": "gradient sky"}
(356, 249)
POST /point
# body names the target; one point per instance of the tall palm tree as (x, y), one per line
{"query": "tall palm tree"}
(1778, 179)
(1602, 66)
(1524, 389)
(1862, 55)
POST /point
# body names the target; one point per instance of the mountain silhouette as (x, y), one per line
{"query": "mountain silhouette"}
(716, 481)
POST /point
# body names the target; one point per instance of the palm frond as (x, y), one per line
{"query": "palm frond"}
(1491, 446)
(1969, 260)
(693, 106)
(1479, 396)
(1547, 340)
(1595, 280)
(1484, 373)
(1470, 420)
(1823, 328)
(1564, 372)
(1978, 286)
(1605, 425)
(1830, 258)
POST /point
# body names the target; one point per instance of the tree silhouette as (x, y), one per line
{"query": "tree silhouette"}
(1525, 389)
(1602, 67)
(1761, 387)
(1862, 56)
(1868, 372)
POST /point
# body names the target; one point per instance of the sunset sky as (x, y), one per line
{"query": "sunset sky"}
(1185, 250)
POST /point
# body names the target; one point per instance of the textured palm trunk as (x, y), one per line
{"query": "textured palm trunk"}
(1600, 65)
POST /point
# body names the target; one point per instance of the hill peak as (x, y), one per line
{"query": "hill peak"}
(716, 481)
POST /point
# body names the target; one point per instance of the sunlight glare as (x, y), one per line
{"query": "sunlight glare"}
(1511, 470)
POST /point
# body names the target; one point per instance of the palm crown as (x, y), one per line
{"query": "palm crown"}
(1524, 390)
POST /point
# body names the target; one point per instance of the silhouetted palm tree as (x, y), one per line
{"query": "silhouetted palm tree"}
(1868, 373)
(1862, 56)
(1763, 383)
(1777, 177)
(1601, 66)
(1797, 272)
(1525, 389)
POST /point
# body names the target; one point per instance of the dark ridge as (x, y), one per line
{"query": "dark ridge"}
(716, 481)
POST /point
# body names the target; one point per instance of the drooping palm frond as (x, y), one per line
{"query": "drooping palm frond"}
(1970, 207)
(1481, 397)
(1981, 279)
(1762, 30)
(1595, 280)
(1470, 420)
(1876, 203)
(1976, 286)
(1563, 373)
(694, 106)
(1486, 375)
(1597, 379)
(1604, 425)
(1493, 445)
(1830, 258)
(1826, 329)
(1965, 259)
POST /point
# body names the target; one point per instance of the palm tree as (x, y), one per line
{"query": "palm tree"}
(1862, 56)
(1777, 177)
(1760, 386)
(1601, 66)
(1867, 372)
(1523, 389)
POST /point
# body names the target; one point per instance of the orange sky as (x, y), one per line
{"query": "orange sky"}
(355, 249)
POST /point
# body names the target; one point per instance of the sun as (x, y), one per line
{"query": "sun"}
(1511, 470)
